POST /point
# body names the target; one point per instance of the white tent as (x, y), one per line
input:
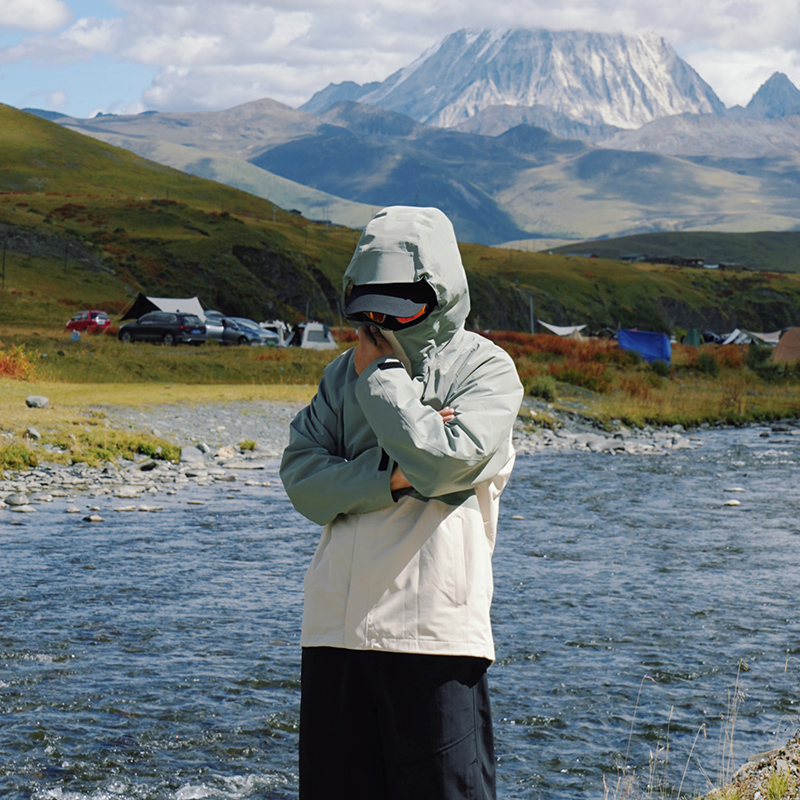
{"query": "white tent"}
(740, 336)
(172, 305)
(176, 305)
(561, 330)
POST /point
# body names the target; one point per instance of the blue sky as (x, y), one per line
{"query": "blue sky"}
(80, 57)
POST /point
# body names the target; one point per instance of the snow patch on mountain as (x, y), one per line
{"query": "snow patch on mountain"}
(592, 78)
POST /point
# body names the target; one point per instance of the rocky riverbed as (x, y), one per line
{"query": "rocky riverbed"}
(210, 437)
(766, 776)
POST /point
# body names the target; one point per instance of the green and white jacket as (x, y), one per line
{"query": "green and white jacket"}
(411, 572)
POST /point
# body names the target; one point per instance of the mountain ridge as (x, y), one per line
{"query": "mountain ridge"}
(352, 156)
(593, 78)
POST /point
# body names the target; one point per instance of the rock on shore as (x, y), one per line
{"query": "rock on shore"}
(764, 776)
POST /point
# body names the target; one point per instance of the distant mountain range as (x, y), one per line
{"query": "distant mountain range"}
(517, 135)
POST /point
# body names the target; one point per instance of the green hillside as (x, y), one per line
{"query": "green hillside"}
(87, 224)
(772, 251)
(607, 293)
(73, 206)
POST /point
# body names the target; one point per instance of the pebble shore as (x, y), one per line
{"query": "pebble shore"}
(210, 437)
(774, 774)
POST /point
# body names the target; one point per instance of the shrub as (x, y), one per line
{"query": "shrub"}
(758, 360)
(15, 364)
(542, 386)
(587, 376)
(706, 364)
(730, 356)
(247, 444)
(546, 345)
(661, 368)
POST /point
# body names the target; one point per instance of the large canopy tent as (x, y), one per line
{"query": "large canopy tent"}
(741, 336)
(649, 345)
(562, 330)
(173, 305)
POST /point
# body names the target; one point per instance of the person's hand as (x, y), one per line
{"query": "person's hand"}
(371, 346)
(398, 480)
(447, 414)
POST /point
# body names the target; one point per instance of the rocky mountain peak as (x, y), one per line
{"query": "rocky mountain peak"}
(777, 97)
(591, 78)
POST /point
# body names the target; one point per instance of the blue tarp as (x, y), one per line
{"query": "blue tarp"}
(650, 346)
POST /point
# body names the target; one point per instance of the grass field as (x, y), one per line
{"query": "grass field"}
(732, 385)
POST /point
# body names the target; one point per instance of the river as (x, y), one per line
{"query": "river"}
(155, 655)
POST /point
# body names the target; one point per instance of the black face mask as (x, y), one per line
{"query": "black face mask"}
(392, 306)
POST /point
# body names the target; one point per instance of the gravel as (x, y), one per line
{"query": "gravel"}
(774, 775)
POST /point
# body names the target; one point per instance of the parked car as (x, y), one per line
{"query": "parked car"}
(91, 321)
(280, 328)
(225, 331)
(165, 327)
(312, 335)
(265, 337)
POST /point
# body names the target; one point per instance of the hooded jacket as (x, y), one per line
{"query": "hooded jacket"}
(409, 572)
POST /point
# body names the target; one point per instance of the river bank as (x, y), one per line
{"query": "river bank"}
(242, 440)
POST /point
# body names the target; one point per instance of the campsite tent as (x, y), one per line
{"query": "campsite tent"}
(693, 338)
(741, 336)
(311, 335)
(788, 348)
(560, 330)
(186, 305)
(649, 345)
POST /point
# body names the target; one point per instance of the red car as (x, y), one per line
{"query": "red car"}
(89, 322)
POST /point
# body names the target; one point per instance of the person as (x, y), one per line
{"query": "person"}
(401, 456)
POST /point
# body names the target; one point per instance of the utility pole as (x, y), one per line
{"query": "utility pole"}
(530, 302)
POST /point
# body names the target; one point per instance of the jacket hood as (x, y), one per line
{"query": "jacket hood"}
(405, 244)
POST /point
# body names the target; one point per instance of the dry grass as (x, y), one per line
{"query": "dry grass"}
(75, 421)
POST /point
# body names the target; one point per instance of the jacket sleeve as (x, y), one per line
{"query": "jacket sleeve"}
(439, 458)
(320, 482)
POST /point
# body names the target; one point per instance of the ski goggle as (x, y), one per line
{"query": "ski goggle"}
(391, 322)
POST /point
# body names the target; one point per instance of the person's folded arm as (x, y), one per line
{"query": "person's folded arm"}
(321, 483)
(440, 458)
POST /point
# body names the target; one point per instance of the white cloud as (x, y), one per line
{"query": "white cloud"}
(93, 35)
(34, 15)
(210, 54)
(54, 101)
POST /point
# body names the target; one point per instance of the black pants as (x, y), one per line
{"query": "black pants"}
(394, 726)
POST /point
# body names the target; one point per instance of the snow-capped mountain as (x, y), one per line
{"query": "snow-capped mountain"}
(778, 97)
(592, 78)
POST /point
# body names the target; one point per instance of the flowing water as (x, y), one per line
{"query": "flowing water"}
(156, 656)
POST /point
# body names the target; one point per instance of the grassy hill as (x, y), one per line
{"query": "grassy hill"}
(771, 251)
(74, 208)
(602, 292)
(85, 224)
